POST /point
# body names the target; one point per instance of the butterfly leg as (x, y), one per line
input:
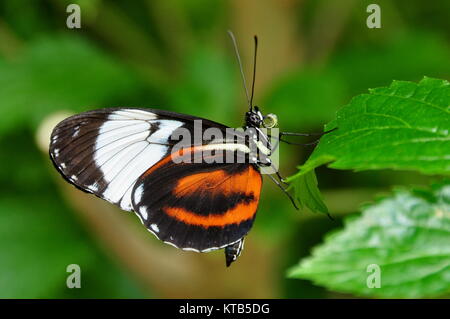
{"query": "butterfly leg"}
(269, 163)
(284, 190)
(281, 178)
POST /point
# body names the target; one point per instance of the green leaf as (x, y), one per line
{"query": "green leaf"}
(307, 193)
(403, 127)
(407, 235)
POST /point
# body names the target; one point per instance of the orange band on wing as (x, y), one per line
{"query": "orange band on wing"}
(171, 157)
(219, 181)
(236, 215)
(247, 182)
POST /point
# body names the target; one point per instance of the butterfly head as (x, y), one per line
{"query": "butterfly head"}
(254, 118)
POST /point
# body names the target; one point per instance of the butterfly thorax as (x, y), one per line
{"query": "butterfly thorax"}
(254, 118)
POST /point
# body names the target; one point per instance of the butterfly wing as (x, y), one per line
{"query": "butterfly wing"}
(198, 206)
(105, 151)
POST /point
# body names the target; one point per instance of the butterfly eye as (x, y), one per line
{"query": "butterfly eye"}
(270, 120)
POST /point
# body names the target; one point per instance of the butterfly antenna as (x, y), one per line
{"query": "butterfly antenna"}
(238, 57)
(254, 71)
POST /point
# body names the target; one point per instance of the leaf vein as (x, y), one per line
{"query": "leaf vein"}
(416, 100)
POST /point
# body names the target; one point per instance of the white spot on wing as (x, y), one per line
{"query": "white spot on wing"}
(143, 211)
(76, 131)
(155, 228)
(138, 193)
(93, 187)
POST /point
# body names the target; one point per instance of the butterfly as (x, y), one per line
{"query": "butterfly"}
(190, 196)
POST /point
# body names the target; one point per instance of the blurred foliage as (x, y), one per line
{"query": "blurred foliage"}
(38, 242)
(176, 55)
(399, 233)
(33, 81)
(315, 93)
(206, 96)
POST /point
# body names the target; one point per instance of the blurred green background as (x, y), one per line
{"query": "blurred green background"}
(176, 55)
